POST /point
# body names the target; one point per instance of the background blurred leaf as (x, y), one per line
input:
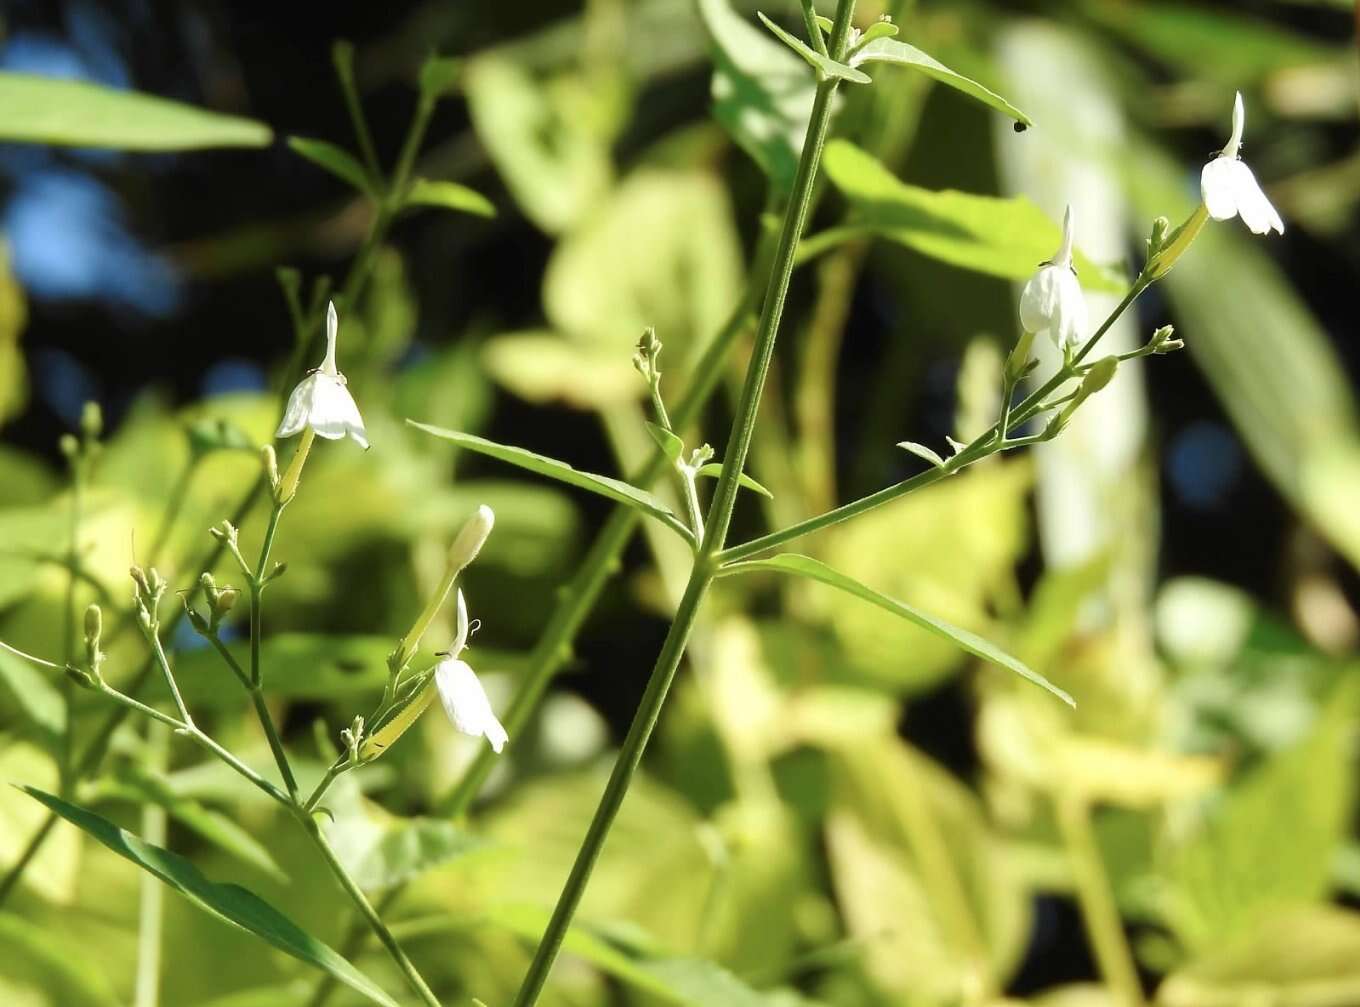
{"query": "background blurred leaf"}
(230, 903)
(989, 234)
(81, 114)
(42, 965)
(762, 92)
(53, 872)
(338, 161)
(543, 367)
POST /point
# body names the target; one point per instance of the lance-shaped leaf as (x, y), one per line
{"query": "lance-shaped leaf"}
(714, 469)
(615, 489)
(668, 442)
(80, 114)
(338, 161)
(806, 566)
(230, 903)
(448, 196)
(825, 66)
(890, 50)
(922, 452)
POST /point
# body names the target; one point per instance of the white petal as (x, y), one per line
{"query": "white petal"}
(1037, 300)
(1252, 205)
(1069, 325)
(465, 702)
(298, 409)
(1064, 256)
(332, 327)
(1218, 187)
(334, 413)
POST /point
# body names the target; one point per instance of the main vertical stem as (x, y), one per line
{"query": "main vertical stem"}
(720, 517)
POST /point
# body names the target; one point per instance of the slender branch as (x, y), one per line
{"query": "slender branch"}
(150, 917)
(366, 909)
(980, 448)
(158, 652)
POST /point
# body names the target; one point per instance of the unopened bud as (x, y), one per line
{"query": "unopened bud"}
(226, 600)
(1018, 362)
(91, 421)
(208, 583)
(94, 630)
(472, 537)
(1101, 374)
(271, 466)
(1174, 244)
(224, 533)
(139, 578)
(70, 447)
(1161, 227)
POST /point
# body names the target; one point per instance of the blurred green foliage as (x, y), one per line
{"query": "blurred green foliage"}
(798, 836)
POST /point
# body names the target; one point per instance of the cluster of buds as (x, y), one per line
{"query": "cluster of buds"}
(221, 600)
(647, 355)
(84, 449)
(353, 737)
(149, 588)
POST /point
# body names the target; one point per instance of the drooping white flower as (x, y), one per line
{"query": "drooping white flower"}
(1230, 189)
(321, 400)
(461, 692)
(1052, 301)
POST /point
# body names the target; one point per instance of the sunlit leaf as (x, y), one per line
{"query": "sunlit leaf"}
(806, 566)
(762, 92)
(543, 366)
(825, 66)
(232, 904)
(338, 161)
(890, 50)
(989, 234)
(449, 196)
(1303, 956)
(614, 489)
(714, 469)
(81, 114)
(53, 872)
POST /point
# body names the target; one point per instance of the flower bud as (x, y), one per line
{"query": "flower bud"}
(70, 447)
(208, 583)
(1161, 227)
(94, 630)
(1174, 245)
(1018, 362)
(270, 459)
(91, 421)
(226, 601)
(472, 537)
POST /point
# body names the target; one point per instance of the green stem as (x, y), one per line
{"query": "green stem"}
(256, 680)
(615, 790)
(67, 687)
(658, 686)
(158, 652)
(1099, 914)
(343, 57)
(351, 948)
(980, 448)
(352, 889)
(271, 733)
(146, 988)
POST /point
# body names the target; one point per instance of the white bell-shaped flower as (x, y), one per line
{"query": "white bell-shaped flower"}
(461, 692)
(1230, 189)
(321, 400)
(1052, 302)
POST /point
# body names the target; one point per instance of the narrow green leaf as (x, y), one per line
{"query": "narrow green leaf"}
(230, 903)
(80, 114)
(714, 469)
(923, 452)
(217, 828)
(824, 65)
(614, 489)
(806, 566)
(668, 442)
(877, 30)
(338, 161)
(890, 50)
(1001, 237)
(448, 196)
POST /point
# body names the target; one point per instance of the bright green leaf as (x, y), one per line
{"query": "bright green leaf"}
(338, 161)
(889, 50)
(922, 452)
(988, 234)
(449, 196)
(714, 469)
(806, 566)
(668, 442)
(825, 66)
(232, 904)
(80, 114)
(762, 94)
(614, 489)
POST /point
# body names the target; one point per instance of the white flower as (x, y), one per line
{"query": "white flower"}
(1052, 301)
(321, 400)
(462, 694)
(1231, 190)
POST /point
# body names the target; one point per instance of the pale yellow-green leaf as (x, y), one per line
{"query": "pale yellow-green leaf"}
(543, 367)
(53, 872)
